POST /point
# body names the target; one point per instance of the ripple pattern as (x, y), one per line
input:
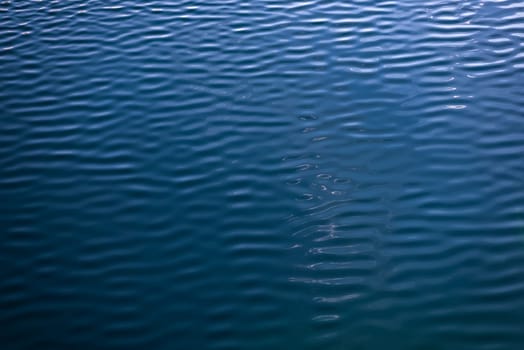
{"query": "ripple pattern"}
(251, 175)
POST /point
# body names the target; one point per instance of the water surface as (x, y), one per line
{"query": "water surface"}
(262, 175)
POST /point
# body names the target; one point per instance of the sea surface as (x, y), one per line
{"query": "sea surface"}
(266, 174)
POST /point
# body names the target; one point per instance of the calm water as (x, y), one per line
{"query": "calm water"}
(262, 174)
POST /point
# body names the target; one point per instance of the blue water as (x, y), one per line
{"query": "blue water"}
(262, 175)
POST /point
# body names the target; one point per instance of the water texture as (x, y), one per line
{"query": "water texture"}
(262, 174)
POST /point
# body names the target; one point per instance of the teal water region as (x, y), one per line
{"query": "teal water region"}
(268, 174)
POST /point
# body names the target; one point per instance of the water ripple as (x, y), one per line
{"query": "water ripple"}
(231, 175)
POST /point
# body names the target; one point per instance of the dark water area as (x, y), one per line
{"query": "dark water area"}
(262, 175)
